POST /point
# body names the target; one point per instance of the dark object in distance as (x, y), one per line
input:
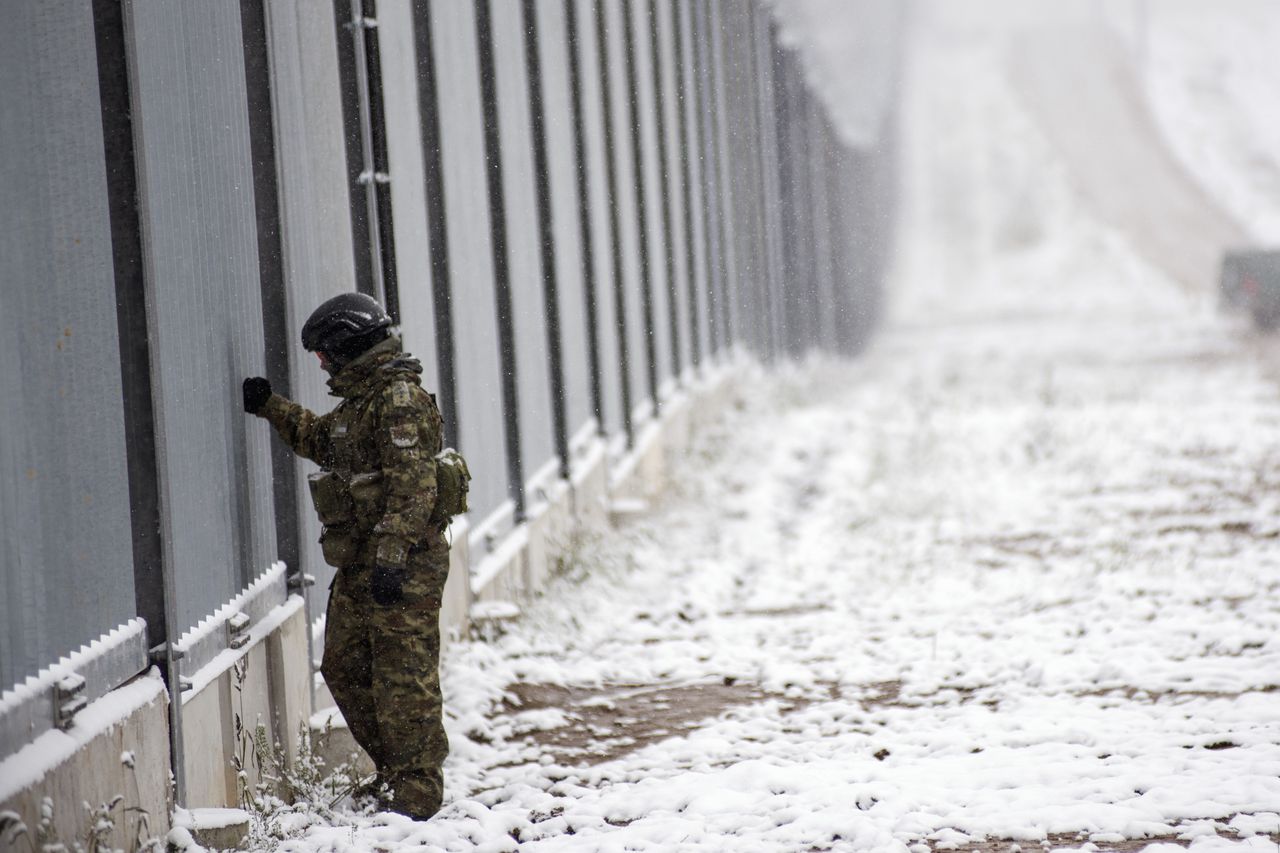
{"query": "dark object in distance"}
(1251, 282)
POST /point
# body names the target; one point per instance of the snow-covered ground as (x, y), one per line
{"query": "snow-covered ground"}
(1012, 576)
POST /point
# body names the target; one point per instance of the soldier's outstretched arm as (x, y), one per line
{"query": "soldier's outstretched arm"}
(303, 430)
(408, 437)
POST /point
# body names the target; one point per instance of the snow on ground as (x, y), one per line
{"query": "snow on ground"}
(1011, 576)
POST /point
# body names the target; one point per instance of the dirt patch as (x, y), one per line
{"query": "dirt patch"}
(1035, 545)
(1101, 844)
(607, 722)
(1231, 528)
(600, 723)
(604, 722)
(1137, 694)
(797, 610)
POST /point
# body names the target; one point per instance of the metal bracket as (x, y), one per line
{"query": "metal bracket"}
(160, 654)
(363, 23)
(301, 580)
(68, 698)
(238, 630)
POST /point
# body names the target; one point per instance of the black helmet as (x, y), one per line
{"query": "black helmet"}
(345, 326)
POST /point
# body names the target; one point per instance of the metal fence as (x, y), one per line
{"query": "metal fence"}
(572, 207)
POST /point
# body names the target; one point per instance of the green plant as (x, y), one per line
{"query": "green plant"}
(279, 795)
(574, 554)
(95, 836)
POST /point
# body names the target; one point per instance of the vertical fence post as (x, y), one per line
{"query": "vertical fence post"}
(824, 286)
(750, 238)
(353, 146)
(266, 199)
(781, 102)
(628, 8)
(724, 190)
(501, 270)
(755, 103)
(369, 55)
(590, 303)
(153, 580)
(254, 28)
(706, 154)
(687, 142)
(546, 235)
(665, 177)
(615, 224)
(437, 218)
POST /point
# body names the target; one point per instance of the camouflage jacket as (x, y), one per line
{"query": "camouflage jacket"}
(386, 424)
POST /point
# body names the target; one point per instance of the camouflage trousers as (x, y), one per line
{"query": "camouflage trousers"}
(382, 666)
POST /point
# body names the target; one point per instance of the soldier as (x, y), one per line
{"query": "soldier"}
(376, 496)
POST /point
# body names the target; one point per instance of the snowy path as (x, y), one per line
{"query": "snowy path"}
(1012, 576)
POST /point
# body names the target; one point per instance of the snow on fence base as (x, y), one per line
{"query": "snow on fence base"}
(43, 701)
(117, 746)
(224, 629)
(216, 829)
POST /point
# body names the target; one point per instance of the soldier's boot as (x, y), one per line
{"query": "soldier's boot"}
(417, 795)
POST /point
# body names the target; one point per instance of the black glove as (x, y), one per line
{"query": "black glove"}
(257, 391)
(388, 584)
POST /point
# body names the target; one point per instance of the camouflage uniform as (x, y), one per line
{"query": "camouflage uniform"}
(382, 662)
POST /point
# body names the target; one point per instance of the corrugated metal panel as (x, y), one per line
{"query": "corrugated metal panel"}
(315, 214)
(704, 208)
(822, 236)
(553, 48)
(598, 203)
(730, 330)
(671, 105)
(626, 199)
(742, 161)
(65, 546)
(470, 254)
(204, 296)
(655, 195)
(768, 130)
(692, 52)
(523, 239)
(408, 198)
